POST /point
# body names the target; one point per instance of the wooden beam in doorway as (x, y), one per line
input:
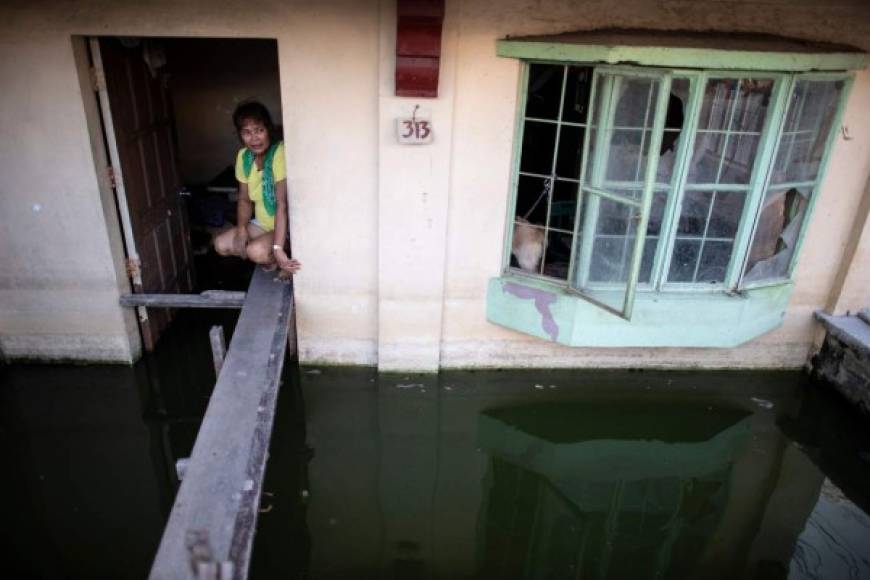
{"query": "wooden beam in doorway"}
(211, 527)
(207, 299)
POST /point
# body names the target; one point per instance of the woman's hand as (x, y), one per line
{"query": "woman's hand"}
(240, 241)
(286, 264)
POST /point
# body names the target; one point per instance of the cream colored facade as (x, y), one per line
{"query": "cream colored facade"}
(398, 242)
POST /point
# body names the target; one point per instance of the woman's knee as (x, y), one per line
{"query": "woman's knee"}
(259, 252)
(223, 243)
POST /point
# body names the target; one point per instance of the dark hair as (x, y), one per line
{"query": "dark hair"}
(255, 111)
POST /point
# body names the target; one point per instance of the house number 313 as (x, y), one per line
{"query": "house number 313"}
(414, 131)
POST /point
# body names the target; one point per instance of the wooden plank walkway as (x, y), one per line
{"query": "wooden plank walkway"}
(211, 528)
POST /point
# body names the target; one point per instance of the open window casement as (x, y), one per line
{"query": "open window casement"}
(616, 189)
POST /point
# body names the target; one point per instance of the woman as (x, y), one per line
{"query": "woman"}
(262, 177)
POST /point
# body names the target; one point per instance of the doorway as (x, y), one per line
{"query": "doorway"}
(165, 115)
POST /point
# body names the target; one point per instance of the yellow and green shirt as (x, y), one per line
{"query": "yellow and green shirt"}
(255, 184)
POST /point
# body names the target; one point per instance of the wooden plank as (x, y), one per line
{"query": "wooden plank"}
(207, 299)
(218, 347)
(220, 493)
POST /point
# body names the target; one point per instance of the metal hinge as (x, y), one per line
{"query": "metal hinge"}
(98, 79)
(133, 266)
(110, 172)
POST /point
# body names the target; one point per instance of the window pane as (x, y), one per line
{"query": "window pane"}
(544, 90)
(635, 102)
(570, 151)
(546, 204)
(694, 212)
(626, 144)
(564, 206)
(532, 196)
(725, 218)
(732, 116)
(577, 90)
(705, 235)
(811, 113)
(776, 235)
(558, 255)
(809, 122)
(539, 142)
(614, 241)
(738, 159)
(714, 261)
(684, 260)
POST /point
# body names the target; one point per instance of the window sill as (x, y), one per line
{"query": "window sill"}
(660, 319)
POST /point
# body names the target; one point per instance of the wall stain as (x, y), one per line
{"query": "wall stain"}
(543, 300)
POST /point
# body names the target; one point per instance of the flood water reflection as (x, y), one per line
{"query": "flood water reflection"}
(464, 475)
(557, 475)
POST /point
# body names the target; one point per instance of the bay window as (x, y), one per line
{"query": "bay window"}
(650, 182)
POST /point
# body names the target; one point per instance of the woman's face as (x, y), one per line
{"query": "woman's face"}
(255, 136)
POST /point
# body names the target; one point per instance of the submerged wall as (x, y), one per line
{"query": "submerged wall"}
(398, 243)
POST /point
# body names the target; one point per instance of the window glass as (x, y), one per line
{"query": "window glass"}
(809, 121)
(627, 176)
(621, 139)
(730, 122)
(554, 126)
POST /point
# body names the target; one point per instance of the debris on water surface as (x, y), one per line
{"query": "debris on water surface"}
(314, 372)
(763, 403)
(553, 387)
(448, 388)
(539, 387)
(411, 386)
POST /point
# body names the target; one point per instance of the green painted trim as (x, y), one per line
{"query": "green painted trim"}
(671, 57)
(614, 197)
(519, 127)
(660, 319)
(649, 179)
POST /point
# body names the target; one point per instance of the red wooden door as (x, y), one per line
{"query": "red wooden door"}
(146, 175)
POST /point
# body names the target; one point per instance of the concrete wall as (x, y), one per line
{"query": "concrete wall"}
(397, 242)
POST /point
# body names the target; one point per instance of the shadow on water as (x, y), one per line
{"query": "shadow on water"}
(531, 474)
(564, 475)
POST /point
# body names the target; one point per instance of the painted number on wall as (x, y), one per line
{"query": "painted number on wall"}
(414, 131)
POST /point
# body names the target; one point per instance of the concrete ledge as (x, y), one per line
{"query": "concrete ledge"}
(853, 331)
(844, 360)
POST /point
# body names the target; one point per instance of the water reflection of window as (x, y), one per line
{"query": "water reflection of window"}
(602, 498)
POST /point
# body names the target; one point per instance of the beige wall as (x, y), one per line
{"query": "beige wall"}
(397, 242)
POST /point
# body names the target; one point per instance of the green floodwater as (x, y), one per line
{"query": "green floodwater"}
(532, 474)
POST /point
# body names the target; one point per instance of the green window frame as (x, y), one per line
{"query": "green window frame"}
(765, 145)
